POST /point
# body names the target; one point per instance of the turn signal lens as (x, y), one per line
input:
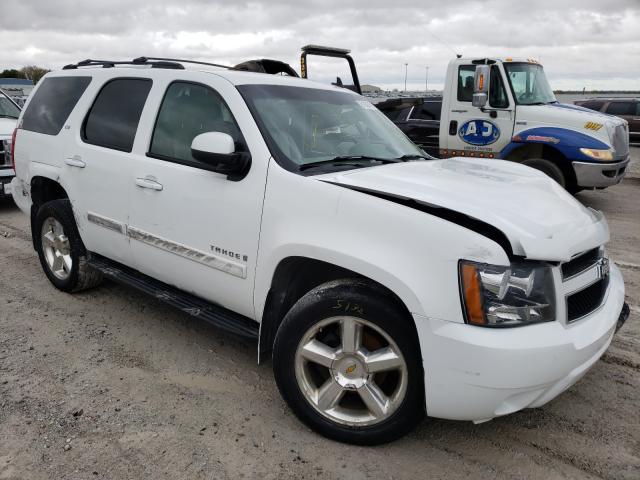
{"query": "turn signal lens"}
(472, 292)
(604, 155)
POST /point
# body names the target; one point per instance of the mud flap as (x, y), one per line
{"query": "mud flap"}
(624, 314)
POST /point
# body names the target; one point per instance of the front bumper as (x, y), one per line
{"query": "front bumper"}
(599, 175)
(6, 175)
(475, 373)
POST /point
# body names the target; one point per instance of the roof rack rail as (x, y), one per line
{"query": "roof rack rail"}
(112, 63)
(145, 60)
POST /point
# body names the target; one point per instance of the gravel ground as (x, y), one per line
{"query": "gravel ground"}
(112, 384)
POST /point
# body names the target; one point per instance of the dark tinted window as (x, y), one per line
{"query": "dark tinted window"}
(52, 103)
(392, 113)
(621, 108)
(592, 105)
(497, 92)
(427, 111)
(113, 119)
(188, 110)
(465, 82)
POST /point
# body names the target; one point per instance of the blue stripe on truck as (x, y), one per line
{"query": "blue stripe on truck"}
(568, 142)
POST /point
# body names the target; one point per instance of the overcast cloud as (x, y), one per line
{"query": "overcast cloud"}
(582, 43)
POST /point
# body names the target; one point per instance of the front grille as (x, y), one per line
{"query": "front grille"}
(581, 263)
(620, 141)
(586, 301)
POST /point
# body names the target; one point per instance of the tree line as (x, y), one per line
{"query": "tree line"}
(30, 72)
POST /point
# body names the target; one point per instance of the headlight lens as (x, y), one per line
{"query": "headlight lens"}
(6, 148)
(604, 155)
(497, 296)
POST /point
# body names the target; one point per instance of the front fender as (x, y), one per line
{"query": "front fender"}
(410, 252)
(568, 142)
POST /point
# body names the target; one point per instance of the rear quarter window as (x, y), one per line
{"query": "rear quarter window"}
(52, 103)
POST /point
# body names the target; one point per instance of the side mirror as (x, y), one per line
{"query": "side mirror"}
(480, 86)
(216, 150)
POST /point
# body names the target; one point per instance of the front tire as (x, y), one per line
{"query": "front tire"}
(62, 254)
(347, 361)
(548, 168)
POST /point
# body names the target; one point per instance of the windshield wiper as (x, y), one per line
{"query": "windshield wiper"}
(351, 160)
(7, 116)
(413, 156)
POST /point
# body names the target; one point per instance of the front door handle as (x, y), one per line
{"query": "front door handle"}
(148, 183)
(75, 161)
(453, 127)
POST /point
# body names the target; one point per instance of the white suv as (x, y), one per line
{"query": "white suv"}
(9, 113)
(384, 284)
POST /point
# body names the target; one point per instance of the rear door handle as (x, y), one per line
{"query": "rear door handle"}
(75, 161)
(148, 183)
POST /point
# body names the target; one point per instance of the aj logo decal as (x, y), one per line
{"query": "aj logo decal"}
(479, 132)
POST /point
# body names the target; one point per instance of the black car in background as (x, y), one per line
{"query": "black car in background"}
(627, 108)
(418, 118)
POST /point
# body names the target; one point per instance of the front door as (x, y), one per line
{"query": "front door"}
(479, 132)
(191, 227)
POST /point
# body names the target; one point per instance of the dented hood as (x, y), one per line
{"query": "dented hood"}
(538, 217)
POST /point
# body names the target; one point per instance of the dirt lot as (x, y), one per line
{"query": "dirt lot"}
(112, 384)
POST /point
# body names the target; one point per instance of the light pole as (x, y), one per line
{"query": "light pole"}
(406, 65)
(426, 80)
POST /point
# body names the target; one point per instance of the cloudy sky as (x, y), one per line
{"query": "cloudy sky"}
(582, 43)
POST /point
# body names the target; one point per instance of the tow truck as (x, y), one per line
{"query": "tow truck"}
(506, 109)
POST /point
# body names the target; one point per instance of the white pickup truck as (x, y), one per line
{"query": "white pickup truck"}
(9, 113)
(385, 285)
(515, 117)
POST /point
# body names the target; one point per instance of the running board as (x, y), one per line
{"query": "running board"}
(187, 303)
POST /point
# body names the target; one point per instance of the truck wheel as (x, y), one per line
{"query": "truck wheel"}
(547, 167)
(60, 248)
(347, 361)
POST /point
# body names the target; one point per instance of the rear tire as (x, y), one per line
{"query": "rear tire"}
(350, 394)
(62, 254)
(548, 168)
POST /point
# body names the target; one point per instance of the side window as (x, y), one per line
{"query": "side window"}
(427, 111)
(621, 108)
(497, 93)
(187, 110)
(465, 82)
(392, 114)
(113, 119)
(52, 104)
(592, 105)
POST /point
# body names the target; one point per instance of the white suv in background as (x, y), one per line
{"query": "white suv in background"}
(384, 284)
(9, 113)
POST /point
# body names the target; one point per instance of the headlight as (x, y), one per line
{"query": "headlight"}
(6, 148)
(496, 296)
(605, 155)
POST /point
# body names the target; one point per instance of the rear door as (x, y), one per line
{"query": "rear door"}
(422, 125)
(97, 164)
(479, 132)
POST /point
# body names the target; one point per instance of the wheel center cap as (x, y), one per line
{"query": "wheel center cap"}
(349, 372)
